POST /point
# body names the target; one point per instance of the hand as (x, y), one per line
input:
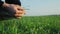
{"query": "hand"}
(19, 11)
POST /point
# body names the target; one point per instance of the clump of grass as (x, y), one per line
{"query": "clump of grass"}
(31, 25)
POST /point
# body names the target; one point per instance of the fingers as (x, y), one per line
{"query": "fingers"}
(18, 15)
(19, 11)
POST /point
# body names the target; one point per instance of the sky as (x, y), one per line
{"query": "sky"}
(41, 7)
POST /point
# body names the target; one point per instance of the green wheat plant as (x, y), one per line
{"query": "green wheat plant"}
(31, 25)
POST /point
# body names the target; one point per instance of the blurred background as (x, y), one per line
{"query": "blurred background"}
(41, 7)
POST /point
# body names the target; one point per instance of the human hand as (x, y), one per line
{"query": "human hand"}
(19, 11)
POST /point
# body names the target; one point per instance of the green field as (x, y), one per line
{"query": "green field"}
(31, 25)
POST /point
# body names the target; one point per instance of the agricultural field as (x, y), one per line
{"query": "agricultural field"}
(31, 25)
